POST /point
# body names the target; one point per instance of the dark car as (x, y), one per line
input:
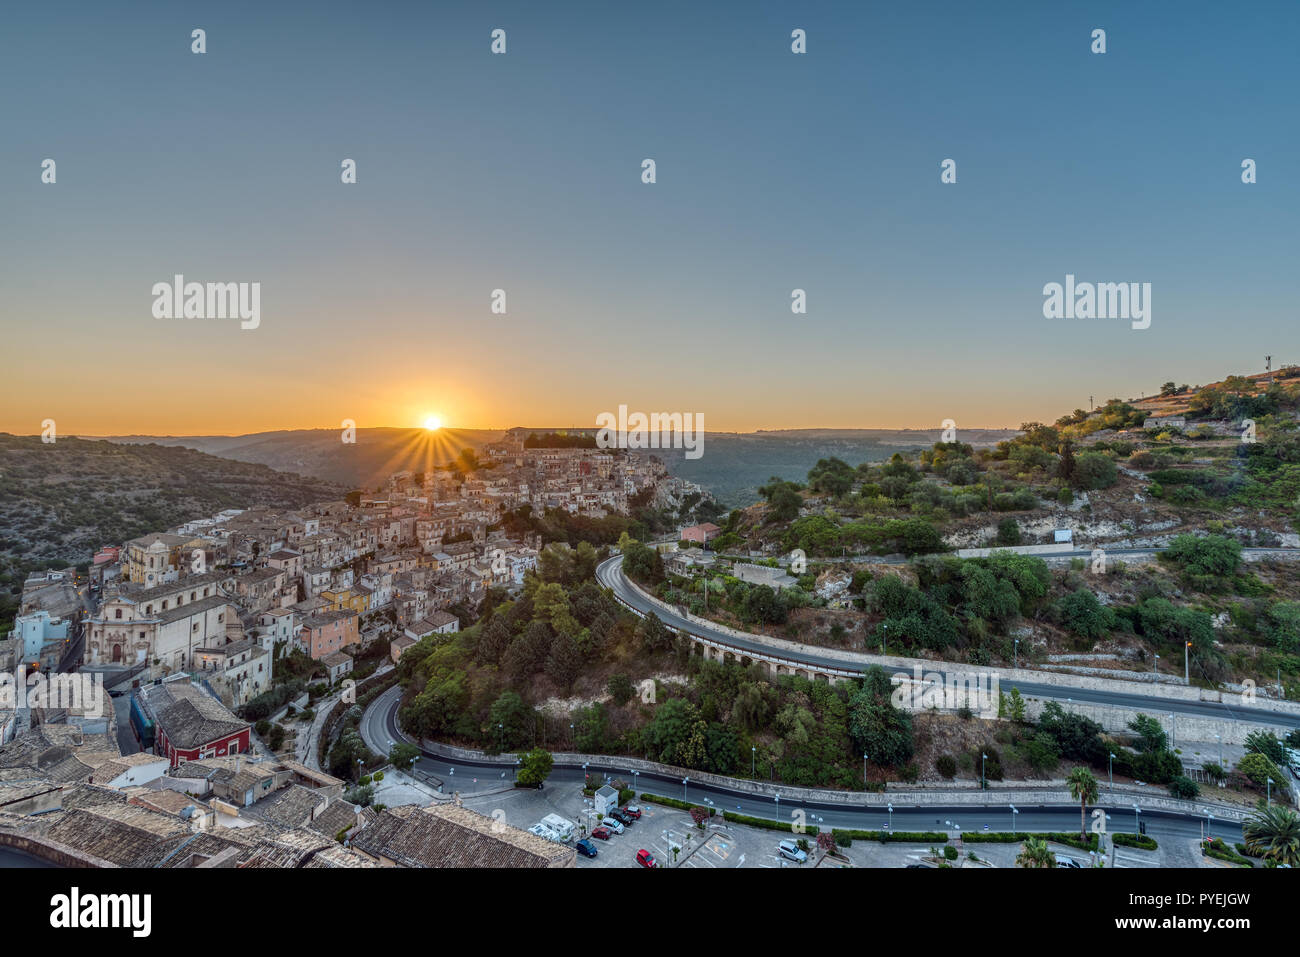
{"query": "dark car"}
(622, 818)
(586, 848)
(601, 832)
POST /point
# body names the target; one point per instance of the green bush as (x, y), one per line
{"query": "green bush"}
(764, 823)
(671, 802)
(1140, 841)
(1219, 851)
(946, 765)
(950, 853)
(846, 836)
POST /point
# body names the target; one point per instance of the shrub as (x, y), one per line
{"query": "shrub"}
(950, 853)
(1140, 841)
(946, 765)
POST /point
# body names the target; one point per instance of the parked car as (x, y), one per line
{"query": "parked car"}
(646, 859)
(792, 852)
(1067, 862)
(603, 833)
(612, 824)
(633, 811)
(586, 848)
(624, 819)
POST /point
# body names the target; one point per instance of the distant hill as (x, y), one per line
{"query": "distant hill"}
(735, 464)
(60, 502)
(376, 454)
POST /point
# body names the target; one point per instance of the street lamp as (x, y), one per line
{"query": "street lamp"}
(891, 816)
(1016, 652)
(1155, 665)
(1270, 791)
(1110, 769)
(983, 783)
(1136, 811)
(572, 743)
(501, 737)
(884, 638)
(684, 780)
(1014, 812)
(635, 775)
(753, 761)
(864, 770)
(1187, 666)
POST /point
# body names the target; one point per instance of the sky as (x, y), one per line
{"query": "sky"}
(523, 172)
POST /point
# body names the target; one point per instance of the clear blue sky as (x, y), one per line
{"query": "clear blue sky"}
(522, 172)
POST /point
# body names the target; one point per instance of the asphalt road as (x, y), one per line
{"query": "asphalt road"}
(379, 726)
(610, 574)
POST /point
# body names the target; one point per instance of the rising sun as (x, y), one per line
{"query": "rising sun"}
(432, 423)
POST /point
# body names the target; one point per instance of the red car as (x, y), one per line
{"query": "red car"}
(645, 859)
(601, 832)
(633, 811)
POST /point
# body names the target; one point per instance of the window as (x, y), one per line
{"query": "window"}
(164, 606)
(117, 612)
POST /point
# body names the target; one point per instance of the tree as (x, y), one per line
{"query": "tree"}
(534, 767)
(699, 815)
(878, 728)
(1273, 833)
(1183, 787)
(564, 662)
(1212, 555)
(1008, 531)
(404, 755)
(1084, 789)
(515, 719)
(620, 689)
(1267, 744)
(655, 635)
(1034, 852)
(1151, 735)
(1084, 615)
(1092, 470)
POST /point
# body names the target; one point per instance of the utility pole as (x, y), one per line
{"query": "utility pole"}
(1090, 403)
(1268, 367)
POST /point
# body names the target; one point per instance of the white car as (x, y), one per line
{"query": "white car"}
(612, 824)
(792, 852)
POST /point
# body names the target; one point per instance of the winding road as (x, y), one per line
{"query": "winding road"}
(610, 575)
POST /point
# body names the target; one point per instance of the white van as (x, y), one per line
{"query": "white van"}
(562, 827)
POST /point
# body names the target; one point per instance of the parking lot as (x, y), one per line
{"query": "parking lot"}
(668, 834)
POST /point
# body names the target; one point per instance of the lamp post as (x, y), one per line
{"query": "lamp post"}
(1014, 812)
(891, 816)
(1016, 652)
(1187, 664)
(572, 737)
(635, 776)
(983, 783)
(864, 770)
(1209, 824)
(1136, 811)
(1173, 730)
(884, 638)
(1270, 791)
(1155, 665)
(1110, 769)
(501, 737)
(753, 761)
(684, 780)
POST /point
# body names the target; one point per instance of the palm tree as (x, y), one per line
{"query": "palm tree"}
(1034, 853)
(1273, 833)
(1084, 789)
